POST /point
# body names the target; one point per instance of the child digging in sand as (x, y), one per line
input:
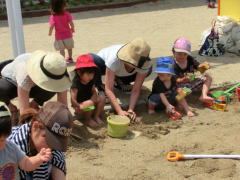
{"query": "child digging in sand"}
(83, 91)
(187, 64)
(164, 89)
(11, 156)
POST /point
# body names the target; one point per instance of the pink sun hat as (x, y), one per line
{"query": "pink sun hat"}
(182, 45)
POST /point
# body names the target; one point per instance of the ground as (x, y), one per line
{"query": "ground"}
(98, 156)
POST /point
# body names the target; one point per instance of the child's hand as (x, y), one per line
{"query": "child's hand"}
(203, 67)
(170, 108)
(77, 110)
(45, 154)
(183, 80)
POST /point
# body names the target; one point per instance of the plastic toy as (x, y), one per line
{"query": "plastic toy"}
(216, 105)
(174, 114)
(183, 93)
(117, 125)
(203, 67)
(176, 156)
(238, 92)
(225, 93)
(89, 108)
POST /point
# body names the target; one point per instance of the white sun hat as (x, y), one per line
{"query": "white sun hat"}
(48, 70)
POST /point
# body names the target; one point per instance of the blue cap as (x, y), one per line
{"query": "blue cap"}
(165, 65)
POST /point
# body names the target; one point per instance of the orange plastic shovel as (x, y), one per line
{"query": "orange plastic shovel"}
(176, 156)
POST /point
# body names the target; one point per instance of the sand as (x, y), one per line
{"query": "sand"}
(98, 156)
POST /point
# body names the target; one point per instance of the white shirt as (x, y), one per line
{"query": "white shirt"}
(16, 71)
(109, 55)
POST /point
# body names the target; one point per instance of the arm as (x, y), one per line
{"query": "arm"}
(136, 91)
(73, 93)
(168, 106)
(58, 170)
(62, 97)
(182, 80)
(72, 26)
(79, 106)
(23, 99)
(109, 83)
(94, 97)
(50, 30)
(57, 174)
(32, 163)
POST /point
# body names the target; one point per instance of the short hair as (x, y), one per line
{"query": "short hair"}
(5, 120)
(57, 6)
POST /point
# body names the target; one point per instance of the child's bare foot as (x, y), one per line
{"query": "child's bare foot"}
(99, 121)
(206, 99)
(150, 111)
(190, 114)
(91, 123)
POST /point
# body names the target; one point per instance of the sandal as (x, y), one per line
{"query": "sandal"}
(69, 60)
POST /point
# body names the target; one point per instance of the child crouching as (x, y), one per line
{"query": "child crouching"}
(83, 91)
(164, 89)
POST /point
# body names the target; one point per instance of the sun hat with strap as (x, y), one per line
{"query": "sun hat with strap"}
(136, 53)
(48, 70)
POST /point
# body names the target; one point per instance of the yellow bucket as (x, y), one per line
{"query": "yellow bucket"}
(117, 125)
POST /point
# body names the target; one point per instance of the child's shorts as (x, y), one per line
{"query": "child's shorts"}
(155, 99)
(64, 44)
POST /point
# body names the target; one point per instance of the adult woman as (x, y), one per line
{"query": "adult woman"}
(38, 75)
(123, 64)
(49, 128)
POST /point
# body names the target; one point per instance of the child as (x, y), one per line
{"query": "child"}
(11, 157)
(164, 89)
(211, 3)
(64, 27)
(83, 91)
(187, 64)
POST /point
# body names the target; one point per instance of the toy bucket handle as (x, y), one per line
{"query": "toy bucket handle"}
(174, 156)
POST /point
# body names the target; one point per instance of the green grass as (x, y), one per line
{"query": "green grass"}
(46, 5)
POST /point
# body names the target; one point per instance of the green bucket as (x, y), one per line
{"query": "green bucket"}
(117, 125)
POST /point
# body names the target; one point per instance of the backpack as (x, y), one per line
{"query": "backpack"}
(211, 45)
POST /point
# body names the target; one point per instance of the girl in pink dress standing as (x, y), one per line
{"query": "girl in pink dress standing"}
(62, 21)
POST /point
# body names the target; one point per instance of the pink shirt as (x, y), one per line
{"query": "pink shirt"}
(61, 24)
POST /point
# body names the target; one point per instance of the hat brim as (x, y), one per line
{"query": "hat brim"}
(182, 50)
(43, 81)
(123, 55)
(162, 71)
(87, 66)
(56, 142)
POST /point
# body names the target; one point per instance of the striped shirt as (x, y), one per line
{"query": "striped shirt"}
(20, 136)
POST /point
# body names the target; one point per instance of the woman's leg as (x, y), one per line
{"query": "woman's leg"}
(40, 96)
(8, 91)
